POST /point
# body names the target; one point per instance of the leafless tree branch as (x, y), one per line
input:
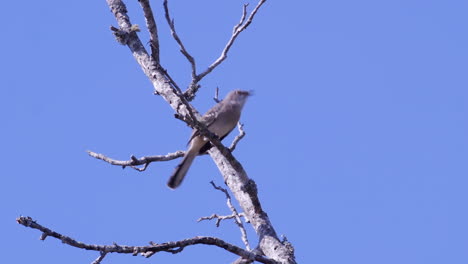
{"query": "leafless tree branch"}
(218, 218)
(242, 20)
(235, 177)
(242, 261)
(243, 188)
(241, 26)
(216, 97)
(133, 162)
(100, 258)
(237, 216)
(152, 28)
(238, 28)
(183, 50)
(164, 86)
(238, 138)
(172, 247)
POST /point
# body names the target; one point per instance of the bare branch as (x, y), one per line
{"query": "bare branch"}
(43, 236)
(184, 51)
(218, 218)
(173, 246)
(242, 20)
(241, 135)
(248, 261)
(123, 36)
(235, 213)
(241, 26)
(242, 261)
(153, 30)
(133, 162)
(157, 75)
(243, 188)
(100, 258)
(146, 160)
(246, 193)
(216, 97)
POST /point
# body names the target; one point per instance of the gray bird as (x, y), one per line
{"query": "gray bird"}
(221, 119)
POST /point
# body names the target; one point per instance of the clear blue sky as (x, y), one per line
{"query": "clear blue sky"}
(356, 135)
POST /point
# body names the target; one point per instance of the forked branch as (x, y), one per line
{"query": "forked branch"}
(242, 187)
(241, 26)
(171, 23)
(152, 28)
(146, 251)
(238, 28)
(235, 215)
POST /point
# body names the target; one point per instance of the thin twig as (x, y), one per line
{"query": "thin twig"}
(172, 246)
(216, 97)
(242, 20)
(241, 260)
(100, 258)
(184, 51)
(218, 218)
(153, 30)
(237, 216)
(236, 140)
(241, 26)
(133, 162)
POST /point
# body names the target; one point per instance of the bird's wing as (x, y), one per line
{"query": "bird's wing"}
(207, 119)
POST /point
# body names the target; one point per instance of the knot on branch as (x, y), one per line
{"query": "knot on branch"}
(193, 89)
(118, 9)
(251, 188)
(25, 220)
(122, 35)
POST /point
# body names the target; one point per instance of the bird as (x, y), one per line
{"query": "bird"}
(220, 120)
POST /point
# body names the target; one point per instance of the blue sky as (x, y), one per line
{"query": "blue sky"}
(356, 135)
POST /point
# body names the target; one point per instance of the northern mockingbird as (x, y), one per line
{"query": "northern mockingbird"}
(220, 120)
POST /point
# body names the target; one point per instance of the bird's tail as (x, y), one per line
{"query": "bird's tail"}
(181, 170)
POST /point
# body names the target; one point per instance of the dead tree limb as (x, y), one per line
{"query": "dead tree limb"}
(146, 251)
(243, 188)
(183, 50)
(236, 215)
(134, 161)
(152, 28)
(241, 26)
